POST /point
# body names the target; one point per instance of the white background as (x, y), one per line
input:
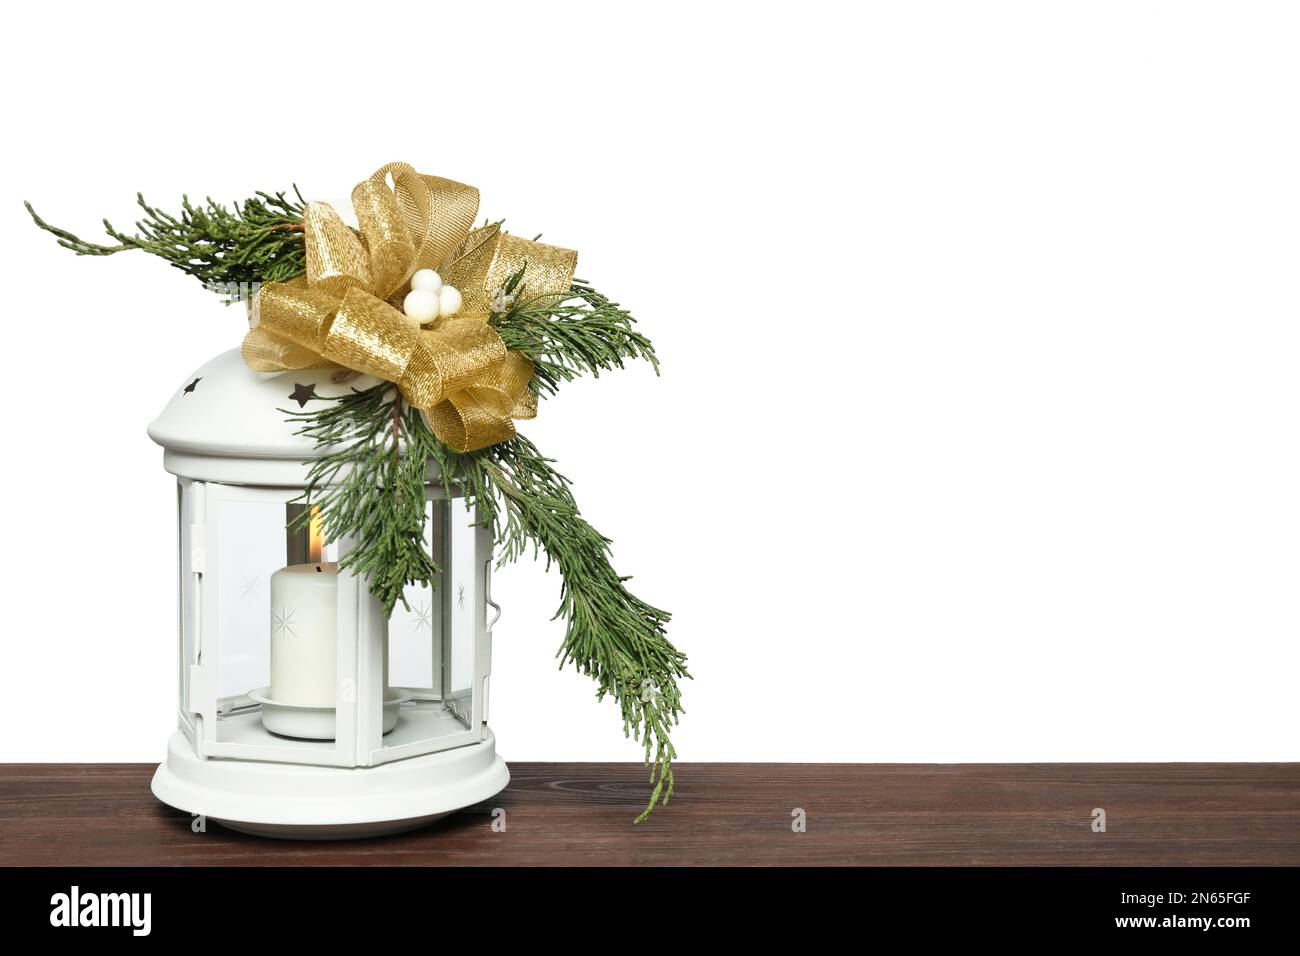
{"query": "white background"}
(976, 435)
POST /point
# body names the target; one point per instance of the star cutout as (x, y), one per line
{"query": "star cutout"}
(423, 617)
(460, 595)
(282, 621)
(302, 394)
(194, 384)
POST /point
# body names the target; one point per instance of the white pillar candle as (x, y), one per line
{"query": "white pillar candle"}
(304, 634)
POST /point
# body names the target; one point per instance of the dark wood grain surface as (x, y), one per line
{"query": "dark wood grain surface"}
(560, 814)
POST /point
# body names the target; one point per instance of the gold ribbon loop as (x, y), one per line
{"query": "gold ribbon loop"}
(264, 352)
(459, 373)
(296, 311)
(549, 268)
(292, 319)
(465, 424)
(336, 260)
(489, 257)
(473, 260)
(439, 212)
(388, 241)
(368, 335)
(516, 372)
(466, 350)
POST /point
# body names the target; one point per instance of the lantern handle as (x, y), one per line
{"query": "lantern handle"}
(487, 596)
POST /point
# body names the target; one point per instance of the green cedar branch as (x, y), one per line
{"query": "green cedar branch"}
(369, 483)
(230, 250)
(612, 635)
(567, 336)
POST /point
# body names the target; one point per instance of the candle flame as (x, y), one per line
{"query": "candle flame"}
(315, 535)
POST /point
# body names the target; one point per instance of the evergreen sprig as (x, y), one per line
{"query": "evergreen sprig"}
(230, 250)
(369, 484)
(612, 635)
(576, 334)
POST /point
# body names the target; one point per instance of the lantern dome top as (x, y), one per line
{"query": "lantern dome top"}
(224, 418)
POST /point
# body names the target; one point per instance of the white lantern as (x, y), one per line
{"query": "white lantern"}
(303, 711)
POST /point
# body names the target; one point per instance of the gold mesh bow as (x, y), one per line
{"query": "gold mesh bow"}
(346, 310)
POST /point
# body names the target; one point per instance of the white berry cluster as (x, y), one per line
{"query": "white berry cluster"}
(429, 298)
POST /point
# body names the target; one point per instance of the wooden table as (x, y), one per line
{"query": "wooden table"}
(874, 814)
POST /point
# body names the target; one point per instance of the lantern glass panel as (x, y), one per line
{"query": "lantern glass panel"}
(187, 599)
(249, 552)
(432, 660)
(415, 629)
(459, 638)
(276, 617)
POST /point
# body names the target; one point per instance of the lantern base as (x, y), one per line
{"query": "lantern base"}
(346, 831)
(304, 802)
